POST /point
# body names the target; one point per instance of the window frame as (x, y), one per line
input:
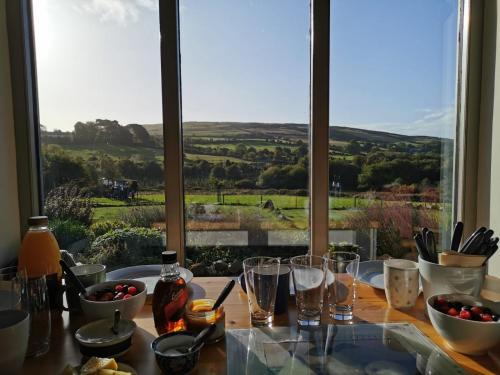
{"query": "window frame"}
(25, 101)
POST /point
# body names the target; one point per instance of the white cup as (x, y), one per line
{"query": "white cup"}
(14, 333)
(401, 283)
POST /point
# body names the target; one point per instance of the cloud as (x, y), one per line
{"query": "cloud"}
(121, 12)
(439, 122)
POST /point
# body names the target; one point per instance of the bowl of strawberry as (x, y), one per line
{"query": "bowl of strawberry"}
(470, 325)
(102, 299)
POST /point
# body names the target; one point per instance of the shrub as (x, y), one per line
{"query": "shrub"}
(144, 216)
(102, 227)
(67, 202)
(67, 231)
(245, 184)
(126, 247)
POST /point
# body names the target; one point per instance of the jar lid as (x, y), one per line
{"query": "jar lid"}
(38, 220)
(169, 257)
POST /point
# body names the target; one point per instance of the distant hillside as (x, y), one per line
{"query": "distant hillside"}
(293, 131)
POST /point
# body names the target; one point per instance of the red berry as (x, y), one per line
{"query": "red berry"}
(132, 290)
(465, 314)
(453, 312)
(127, 296)
(486, 318)
(118, 287)
(441, 301)
(476, 310)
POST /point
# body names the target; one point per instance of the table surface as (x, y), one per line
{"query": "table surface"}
(371, 307)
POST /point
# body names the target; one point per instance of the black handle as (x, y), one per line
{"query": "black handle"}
(431, 247)
(457, 236)
(72, 277)
(203, 336)
(422, 249)
(471, 237)
(225, 292)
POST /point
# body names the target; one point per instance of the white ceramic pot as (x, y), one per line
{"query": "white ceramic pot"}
(14, 334)
(437, 279)
(129, 308)
(465, 336)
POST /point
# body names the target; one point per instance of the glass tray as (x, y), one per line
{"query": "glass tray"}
(388, 349)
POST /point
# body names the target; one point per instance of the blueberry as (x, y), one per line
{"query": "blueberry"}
(466, 307)
(495, 317)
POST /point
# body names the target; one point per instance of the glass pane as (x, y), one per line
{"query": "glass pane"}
(99, 86)
(245, 101)
(392, 116)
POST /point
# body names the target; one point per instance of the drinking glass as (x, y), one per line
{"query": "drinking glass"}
(36, 298)
(342, 274)
(261, 278)
(11, 283)
(308, 273)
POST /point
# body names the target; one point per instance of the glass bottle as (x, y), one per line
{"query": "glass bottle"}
(170, 296)
(40, 256)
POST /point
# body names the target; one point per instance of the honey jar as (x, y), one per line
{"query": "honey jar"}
(199, 315)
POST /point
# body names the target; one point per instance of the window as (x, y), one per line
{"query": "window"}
(392, 111)
(245, 124)
(99, 85)
(245, 109)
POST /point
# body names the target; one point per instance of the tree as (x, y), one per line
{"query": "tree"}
(85, 133)
(153, 172)
(140, 135)
(59, 168)
(344, 172)
(128, 169)
(233, 172)
(218, 172)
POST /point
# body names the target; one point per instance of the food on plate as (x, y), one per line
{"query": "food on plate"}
(112, 372)
(94, 364)
(114, 293)
(69, 370)
(463, 311)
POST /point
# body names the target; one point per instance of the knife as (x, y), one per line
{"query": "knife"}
(457, 236)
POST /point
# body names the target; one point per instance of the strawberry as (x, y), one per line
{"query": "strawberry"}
(465, 314)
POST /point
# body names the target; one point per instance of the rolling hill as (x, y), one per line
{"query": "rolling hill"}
(292, 131)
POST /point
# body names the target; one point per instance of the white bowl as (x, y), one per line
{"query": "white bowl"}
(14, 333)
(129, 308)
(437, 279)
(465, 336)
(97, 338)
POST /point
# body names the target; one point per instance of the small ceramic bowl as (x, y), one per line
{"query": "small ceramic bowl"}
(129, 308)
(96, 339)
(465, 336)
(176, 363)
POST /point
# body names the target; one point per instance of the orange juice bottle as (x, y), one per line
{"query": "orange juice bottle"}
(40, 256)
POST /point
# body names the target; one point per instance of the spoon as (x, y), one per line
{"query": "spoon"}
(223, 295)
(201, 338)
(72, 277)
(116, 321)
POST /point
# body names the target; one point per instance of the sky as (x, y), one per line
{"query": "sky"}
(392, 62)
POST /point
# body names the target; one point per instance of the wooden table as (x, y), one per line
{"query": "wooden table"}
(370, 307)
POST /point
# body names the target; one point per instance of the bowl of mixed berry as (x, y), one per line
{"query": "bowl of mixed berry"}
(102, 299)
(470, 325)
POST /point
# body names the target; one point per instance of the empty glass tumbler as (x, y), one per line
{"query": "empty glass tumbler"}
(308, 272)
(341, 283)
(261, 278)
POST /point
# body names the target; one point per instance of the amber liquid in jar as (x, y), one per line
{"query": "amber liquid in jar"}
(199, 315)
(169, 300)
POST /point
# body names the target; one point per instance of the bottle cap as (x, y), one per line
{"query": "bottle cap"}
(169, 257)
(38, 220)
